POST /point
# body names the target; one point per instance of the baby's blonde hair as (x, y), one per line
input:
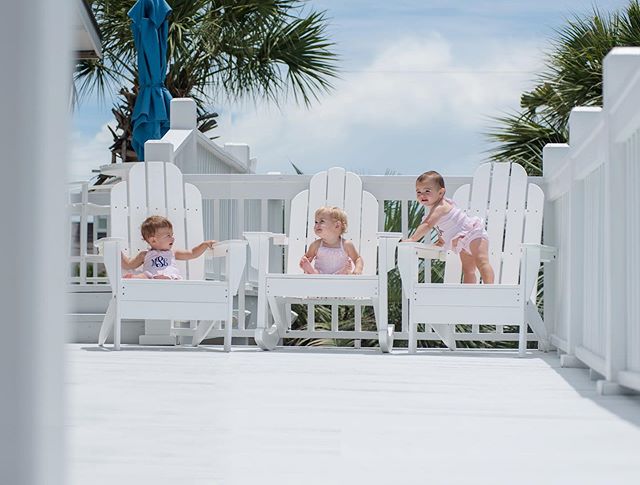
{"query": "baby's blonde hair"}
(336, 213)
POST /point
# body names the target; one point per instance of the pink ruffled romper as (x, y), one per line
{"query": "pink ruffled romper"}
(332, 260)
(161, 263)
(457, 224)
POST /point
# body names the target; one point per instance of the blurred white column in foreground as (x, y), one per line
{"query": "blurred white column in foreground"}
(36, 70)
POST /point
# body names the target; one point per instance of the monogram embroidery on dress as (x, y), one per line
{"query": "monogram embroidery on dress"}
(159, 262)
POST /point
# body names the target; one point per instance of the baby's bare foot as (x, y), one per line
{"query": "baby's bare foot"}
(306, 266)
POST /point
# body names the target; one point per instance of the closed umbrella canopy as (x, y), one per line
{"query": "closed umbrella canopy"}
(151, 112)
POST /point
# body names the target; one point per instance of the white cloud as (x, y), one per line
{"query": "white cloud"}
(413, 88)
(418, 102)
(89, 153)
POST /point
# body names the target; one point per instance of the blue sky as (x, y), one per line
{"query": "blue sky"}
(419, 83)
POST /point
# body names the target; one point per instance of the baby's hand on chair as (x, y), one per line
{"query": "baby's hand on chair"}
(348, 268)
(210, 244)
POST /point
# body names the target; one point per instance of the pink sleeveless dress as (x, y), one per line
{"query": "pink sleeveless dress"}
(457, 224)
(161, 263)
(332, 260)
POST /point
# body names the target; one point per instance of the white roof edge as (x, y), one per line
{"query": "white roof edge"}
(90, 25)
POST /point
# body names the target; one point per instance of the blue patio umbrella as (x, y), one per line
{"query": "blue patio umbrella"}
(151, 112)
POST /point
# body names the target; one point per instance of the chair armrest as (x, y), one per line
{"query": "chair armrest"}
(409, 254)
(387, 244)
(235, 252)
(111, 249)
(222, 248)
(547, 253)
(279, 239)
(259, 247)
(100, 242)
(424, 251)
(389, 235)
(532, 256)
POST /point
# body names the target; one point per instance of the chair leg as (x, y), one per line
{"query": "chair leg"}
(268, 338)
(522, 340)
(228, 327)
(201, 331)
(117, 328)
(447, 333)
(413, 338)
(532, 317)
(107, 323)
(385, 331)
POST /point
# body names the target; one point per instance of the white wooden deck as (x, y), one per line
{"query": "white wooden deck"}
(304, 416)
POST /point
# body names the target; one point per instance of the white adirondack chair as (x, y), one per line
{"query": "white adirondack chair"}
(156, 188)
(512, 209)
(335, 187)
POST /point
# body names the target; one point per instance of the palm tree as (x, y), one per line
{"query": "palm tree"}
(217, 49)
(572, 77)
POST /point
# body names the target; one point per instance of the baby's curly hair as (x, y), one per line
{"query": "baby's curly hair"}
(151, 225)
(336, 213)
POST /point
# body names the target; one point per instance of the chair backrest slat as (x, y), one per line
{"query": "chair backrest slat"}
(137, 192)
(297, 231)
(511, 251)
(368, 247)
(194, 229)
(317, 198)
(480, 191)
(453, 266)
(533, 217)
(335, 186)
(496, 214)
(119, 213)
(353, 204)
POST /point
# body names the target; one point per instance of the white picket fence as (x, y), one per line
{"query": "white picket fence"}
(592, 297)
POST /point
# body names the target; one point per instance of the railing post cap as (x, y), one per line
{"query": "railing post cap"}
(618, 68)
(183, 114)
(554, 156)
(158, 151)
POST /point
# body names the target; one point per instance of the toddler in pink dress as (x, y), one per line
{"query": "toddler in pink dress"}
(464, 235)
(331, 253)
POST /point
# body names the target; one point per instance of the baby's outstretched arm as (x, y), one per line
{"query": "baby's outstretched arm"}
(132, 263)
(426, 226)
(184, 254)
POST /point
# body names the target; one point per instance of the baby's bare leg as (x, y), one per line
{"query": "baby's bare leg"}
(306, 266)
(468, 268)
(480, 252)
(137, 276)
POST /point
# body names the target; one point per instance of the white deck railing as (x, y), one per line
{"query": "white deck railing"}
(593, 217)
